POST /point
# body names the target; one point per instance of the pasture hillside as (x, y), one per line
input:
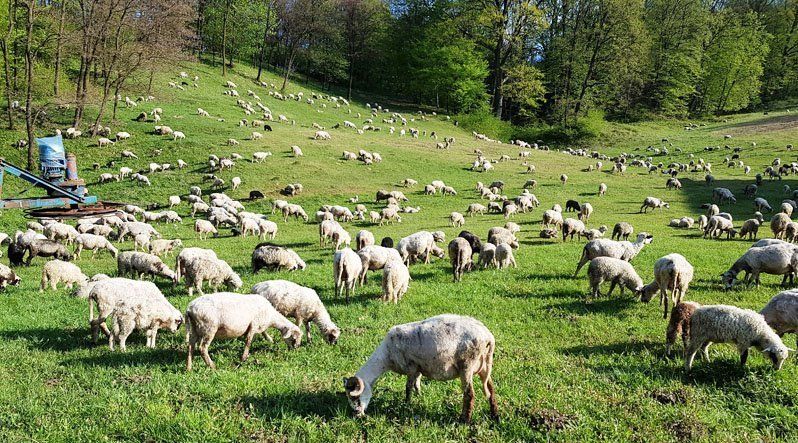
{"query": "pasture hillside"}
(564, 370)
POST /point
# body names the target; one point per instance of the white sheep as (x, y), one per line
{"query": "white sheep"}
(300, 303)
(215, 272)
(774, 259)
(105, 293)
(616, 271)
(395, 281)
(347, 268)
(504, 256)
(94, 243)
(415, 246)
(149, 313)
(653, 203)
(444, 347)
(161, 247)
(460, 254)
(226, 315)
(729, 324)
(57, 271)
(139, 264)
(672, 277)
(203, 228)
(623, 250)
(275, 258)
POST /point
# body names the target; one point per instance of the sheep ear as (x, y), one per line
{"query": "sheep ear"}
(790, 350)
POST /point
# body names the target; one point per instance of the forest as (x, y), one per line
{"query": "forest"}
(564, 64)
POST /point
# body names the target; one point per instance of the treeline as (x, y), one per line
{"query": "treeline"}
(69, 54)
(525, 61)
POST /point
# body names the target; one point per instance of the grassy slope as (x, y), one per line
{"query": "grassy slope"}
(593, 370)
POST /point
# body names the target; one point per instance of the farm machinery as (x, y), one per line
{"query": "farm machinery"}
(67, 196)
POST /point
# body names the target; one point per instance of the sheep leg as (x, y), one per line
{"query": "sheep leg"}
(204, 344)
(268, 337)
(413, 384)
(468, 396)
(250, 335)
(612, 287)
(743, 356)
(122, 329)
(705, 351)
(153, 336)
(689, 355)
(307, 329)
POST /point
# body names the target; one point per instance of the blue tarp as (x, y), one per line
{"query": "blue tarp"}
(51, 155)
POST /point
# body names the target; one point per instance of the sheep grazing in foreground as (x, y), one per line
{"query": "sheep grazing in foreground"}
(622, 230)
(214, 271)
(46, 248)
(444, 347)
(498, 235)
(778, 224)
(473, 241)
(774, 259)
(672, 273)
(139, 264)
(460, 255)
(417, 246)
(729, 324)
(149, 313)
(679, 324)
(274, 258)
(203, 228)
(781, 312)
(300, 303)
(750, 228)
(364, 238)
(618, 272)
(622, 250)
(226, 315)
(347, 268)
(572, 227)
(57, 271)
(105, 293)
(395, 281)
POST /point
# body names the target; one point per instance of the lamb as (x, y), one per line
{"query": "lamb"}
(94, 243)
(322, 135)
(487, 256)
(672, 273)
(617, 271)
(260, 156)
(444, 347)
(215, 271)
(460, 256)
(347, 268)
(105, 293)
(750, 228)
(653, 203)
(149, 312)
(296, 151)
(57, 271)
(456, 219)
(781, 312)
(161, 247)
(46, 248)
(226, 315)
(395, 281)
(275, 258)
(135, 228)
(300, 303)
(623, 250)
(504, 256)
(139, 264)
(679, 323)
(775, 259)
(572, 227)
(416, 246)
(203, 228)
(7, 276)
(364, 238)
(729, 324)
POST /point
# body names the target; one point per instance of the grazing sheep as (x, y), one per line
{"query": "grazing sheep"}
(617, 271)
(149, 313)
(444, 347)
(774, 259)
(729, 324)
(718, 225)
(760, 204)
(456, 219)
(498, 235)
(347, 268)
(161, 247)
(373, 258)
(60, 232)
(750, 228)
(781, 312)
(585, 211)
(105, 293)
(622, 250)
(203, 228)
(57, 271)
(93, 243)
(138, 264)
(300, 303)
(572, 227)
(504, 256)
(275, 258)
(460, 255)
(653, 203)
(215, 271)
(395, 281)
(672, 273)
(487, 257)
(229, 315)
(7, 276)
(364, 238)
(416, 246)
(294, 210)
(552, 218)
(778, 224)
(679, 324)
(46, 248)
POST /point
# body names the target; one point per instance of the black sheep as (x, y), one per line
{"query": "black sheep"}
(473, 240)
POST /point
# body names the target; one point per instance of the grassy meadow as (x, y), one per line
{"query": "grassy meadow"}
(564, 370)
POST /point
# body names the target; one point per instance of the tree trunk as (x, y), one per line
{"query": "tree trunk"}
(265, 40)
(224, 37)
(58, 46)
(289, 64)
(149, 83)
(117, 87)
(351, 74)
(7, 64)
(29, 84)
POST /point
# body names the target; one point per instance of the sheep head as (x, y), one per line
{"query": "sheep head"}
(358, 393)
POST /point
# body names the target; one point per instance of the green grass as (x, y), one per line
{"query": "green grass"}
(564, 370)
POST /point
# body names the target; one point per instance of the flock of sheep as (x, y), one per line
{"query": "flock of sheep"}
(443, 347)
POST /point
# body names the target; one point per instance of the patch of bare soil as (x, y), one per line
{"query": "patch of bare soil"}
(766, 124)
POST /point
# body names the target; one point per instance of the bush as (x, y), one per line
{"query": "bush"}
(585, 129)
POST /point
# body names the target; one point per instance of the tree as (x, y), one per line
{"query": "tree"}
(4, 45)
(299, 21)
(362, 20)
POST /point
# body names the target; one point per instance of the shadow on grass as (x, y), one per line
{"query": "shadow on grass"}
(51, 339)
(322, 404)
(136, 356)
(614, 306)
